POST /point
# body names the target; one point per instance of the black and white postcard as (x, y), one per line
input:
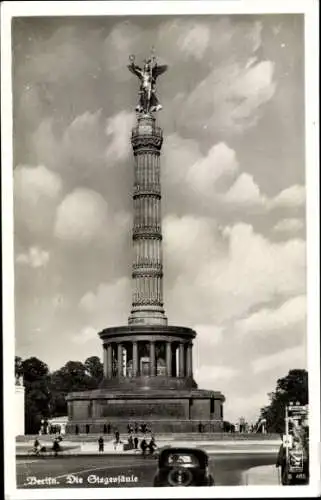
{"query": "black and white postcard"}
(160, 249)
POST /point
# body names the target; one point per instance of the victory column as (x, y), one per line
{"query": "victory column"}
(148, 364)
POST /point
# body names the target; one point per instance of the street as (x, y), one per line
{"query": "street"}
(112, 471)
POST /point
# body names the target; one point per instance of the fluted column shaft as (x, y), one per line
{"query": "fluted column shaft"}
(169, 359)
(147, 293)
(189, 360)
(119, 359)
(181, 363)
(105, 361)
(152, 358)
(135, 359)
(109, 361)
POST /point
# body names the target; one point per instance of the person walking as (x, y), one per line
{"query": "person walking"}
(101, 444)
(117, 439)
(143, 447)
(36, 447)
(281, 462)
(152, 446)
(130, 442)
(136, 442)
(56, 447)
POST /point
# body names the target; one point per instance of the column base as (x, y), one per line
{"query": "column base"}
(147, 317)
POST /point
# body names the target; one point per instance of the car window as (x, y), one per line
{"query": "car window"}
(183, 459)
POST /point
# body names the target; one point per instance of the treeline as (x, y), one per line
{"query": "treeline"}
(45, 391)
(293, 388)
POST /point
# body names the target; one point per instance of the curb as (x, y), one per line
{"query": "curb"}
(125, 454)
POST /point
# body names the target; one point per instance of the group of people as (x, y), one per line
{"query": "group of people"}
(133, 442)
(38, 448)
(143, 428)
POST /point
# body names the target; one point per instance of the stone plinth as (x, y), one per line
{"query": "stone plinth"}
(19, 410)
(167, 410)
(164, 393)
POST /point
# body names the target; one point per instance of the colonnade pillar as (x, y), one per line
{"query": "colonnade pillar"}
(184, 363)
(152, 358)
(135, 359)
(105, 361)
(189, 360)
(181, 362)
(119, 359)
(169, 359)
(109, 361)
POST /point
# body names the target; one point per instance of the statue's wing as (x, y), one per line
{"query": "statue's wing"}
(136, 70)
(158, 70)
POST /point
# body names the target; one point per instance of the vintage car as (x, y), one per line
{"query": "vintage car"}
(183, 467)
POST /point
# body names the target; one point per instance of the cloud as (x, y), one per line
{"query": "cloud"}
(206, 179)
(35, 257)
(36, 183)
(231, 97)
(210, 334)
(193, 176)
(66, 51)
(218, 275)
(219, 162)
(291, 197)
(194, 42)
(182, 237)
(288, 315)
(124, 39)
(208, 376)
(106, 305)
(178, 157)
(84, 140)
(255, 35)
(87, 334)
(90, 141)
(46, 147)
(293, 357)
(81, 216)
(190, 38)
(37, 190)
(244, 192)
(288, 225)
(207, 41)
(118, 130)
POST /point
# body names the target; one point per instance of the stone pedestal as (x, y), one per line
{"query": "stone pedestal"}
(168, 402)
(19, 416)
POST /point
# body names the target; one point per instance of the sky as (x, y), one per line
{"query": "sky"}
(233, 190)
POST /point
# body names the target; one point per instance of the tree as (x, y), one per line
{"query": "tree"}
(291, 388)
(46, 392)
(71, 377)
(37, 393)
(228, 427)
(94, 368)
